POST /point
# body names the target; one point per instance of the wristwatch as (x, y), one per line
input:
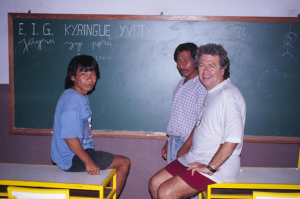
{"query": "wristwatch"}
(211, 169)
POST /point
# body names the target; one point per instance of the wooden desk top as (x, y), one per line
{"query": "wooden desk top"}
(46, 173)
(268, 176)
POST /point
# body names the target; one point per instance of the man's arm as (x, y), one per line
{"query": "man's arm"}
(223, 153)
(76, 147)
(187, 145)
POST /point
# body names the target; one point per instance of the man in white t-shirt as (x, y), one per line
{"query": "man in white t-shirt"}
(216, 142)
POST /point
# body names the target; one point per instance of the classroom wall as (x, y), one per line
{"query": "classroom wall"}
(145, 154)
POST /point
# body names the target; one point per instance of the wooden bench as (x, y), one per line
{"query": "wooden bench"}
(46, 176)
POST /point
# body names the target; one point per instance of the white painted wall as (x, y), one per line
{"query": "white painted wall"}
(270, 8)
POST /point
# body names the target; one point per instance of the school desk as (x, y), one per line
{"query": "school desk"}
(52, 177)
(253, 179)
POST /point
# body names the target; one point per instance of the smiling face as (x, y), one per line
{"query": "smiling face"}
(84, 81)
(210, 72)
(186, 65)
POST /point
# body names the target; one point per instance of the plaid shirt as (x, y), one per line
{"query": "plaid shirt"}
(186, 104)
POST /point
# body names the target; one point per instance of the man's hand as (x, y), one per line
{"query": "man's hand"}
(165, 150)
(92, 168)
(196, 166)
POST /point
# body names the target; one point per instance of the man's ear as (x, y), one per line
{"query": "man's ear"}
(72, 78)
(224, 70)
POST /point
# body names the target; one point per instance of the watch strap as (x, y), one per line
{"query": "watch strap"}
(211, 169)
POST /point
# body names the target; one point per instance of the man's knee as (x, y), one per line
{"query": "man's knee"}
(124, 163)
(151, 181)
(153, 184)
(127, 163)
(164, 191)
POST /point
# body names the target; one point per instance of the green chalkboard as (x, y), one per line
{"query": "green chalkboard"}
(138, 73)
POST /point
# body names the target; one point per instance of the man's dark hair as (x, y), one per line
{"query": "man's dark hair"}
(186, 47)
(214, 49)
(85, 63)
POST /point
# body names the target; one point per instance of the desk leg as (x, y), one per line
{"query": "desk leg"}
(299, 159)
(208, 190)
(101, 192)
(115, 186)
(202, 195)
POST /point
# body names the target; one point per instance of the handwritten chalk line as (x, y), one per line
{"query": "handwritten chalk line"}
(267, 71)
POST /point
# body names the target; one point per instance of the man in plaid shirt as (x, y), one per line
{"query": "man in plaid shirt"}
(188, 97)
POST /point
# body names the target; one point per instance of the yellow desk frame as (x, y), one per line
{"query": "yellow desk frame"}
(65, 176)
(257, 179)
(208, 194)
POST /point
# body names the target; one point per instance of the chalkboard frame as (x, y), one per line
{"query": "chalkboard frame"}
(127, 134)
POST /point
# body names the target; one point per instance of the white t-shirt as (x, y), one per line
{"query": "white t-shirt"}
(222, 120)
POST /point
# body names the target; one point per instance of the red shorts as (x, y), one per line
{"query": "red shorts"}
(197, 181)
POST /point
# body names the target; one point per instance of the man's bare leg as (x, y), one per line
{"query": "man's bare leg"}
(122, 165)
(156, 180)
(175, 188)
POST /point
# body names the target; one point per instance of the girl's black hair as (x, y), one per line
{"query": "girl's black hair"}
(85, 63)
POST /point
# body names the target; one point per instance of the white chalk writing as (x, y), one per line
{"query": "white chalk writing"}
(268, 71)
(46, 29)
(87, 30)
(135, 30)
(240, 33)
(101, 57)
(72, 44)
(98, 44)
(38, 42)
(21, 29)
(288, 39)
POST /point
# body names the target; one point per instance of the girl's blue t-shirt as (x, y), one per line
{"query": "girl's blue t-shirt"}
(72, 119)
